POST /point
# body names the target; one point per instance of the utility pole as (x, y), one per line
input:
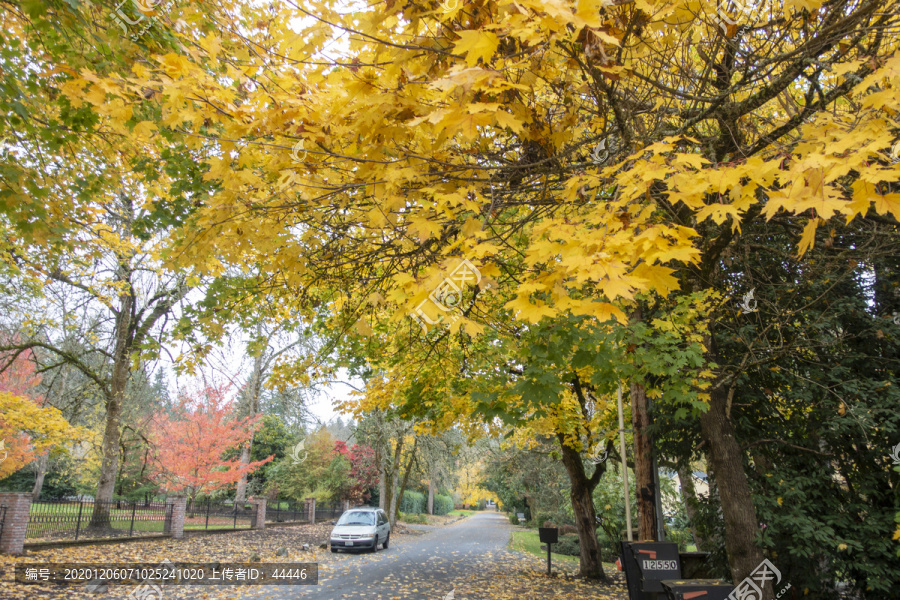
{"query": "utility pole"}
(622, 452)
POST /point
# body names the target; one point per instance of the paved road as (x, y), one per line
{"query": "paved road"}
(469, 559)
(430, 565)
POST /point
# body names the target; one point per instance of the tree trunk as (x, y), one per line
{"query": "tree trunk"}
(583, 507)
(382, 479)
(691, 504)
(109, 466)
(39, 476)
(240, 494)
(395, 482)
(643, 463)
(726, 460)
(431, 496)
(412, 456)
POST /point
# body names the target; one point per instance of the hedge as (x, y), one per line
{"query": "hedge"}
(442, 504)
(413, 502)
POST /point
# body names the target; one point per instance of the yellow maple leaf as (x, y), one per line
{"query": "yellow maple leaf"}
(362, 328)
(808, 239)
(504, 119)
(527, 311)
(888, 203)
(476, 44)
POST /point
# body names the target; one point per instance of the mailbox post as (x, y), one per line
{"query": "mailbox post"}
(548, 535)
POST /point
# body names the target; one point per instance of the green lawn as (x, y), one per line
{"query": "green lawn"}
(461, 513)
(528, 542)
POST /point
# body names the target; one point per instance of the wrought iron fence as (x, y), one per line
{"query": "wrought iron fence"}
(2, 518)
(325, 512)
(205, 515)
(82, 519)
(283, 511)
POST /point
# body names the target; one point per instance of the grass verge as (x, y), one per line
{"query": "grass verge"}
(529, 542)
(461, 513)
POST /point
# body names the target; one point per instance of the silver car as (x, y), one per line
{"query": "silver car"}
(361, 528)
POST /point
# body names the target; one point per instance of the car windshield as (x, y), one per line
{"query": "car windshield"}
(357, 517)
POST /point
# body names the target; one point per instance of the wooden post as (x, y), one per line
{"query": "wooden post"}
(548, 560)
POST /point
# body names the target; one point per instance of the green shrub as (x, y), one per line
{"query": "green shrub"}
(568, 545)
(556, 519)
(443, 505)
(513, 519)
(412, 502)
(682, 537)
(540, 519)
(609, 548)
(412, 518)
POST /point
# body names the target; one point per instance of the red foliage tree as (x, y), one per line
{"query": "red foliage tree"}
(19, 377)
(189, 445)
(363, 472)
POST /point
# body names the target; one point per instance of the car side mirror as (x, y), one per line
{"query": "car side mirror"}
(334, 522)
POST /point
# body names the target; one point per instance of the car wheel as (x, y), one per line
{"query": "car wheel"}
(386, 540)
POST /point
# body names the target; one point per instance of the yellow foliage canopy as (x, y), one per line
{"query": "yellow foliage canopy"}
(27, 430)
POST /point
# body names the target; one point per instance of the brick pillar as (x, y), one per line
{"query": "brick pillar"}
(311, 510)
(259, 515)
(175, 523)
(15, 520)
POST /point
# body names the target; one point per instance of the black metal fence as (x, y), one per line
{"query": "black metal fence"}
(2, 518)
(73, 519)
(324, 512)
(285, 512)
(206, 515)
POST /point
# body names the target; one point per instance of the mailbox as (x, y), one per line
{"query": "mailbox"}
(699, 589)
(548, 535)
(653, 569)
(656, 561)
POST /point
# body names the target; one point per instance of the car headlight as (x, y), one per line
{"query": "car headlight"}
(367, 536)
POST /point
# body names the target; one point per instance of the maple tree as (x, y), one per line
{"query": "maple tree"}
(28, 427)
(81, 223)
(127, 297)
(363, 475)
(188, 446)
(580, 154)
(308, 470)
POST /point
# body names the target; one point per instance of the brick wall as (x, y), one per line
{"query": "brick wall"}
(311, 510)
(175, 524)
(15, 521)
(259, 518)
